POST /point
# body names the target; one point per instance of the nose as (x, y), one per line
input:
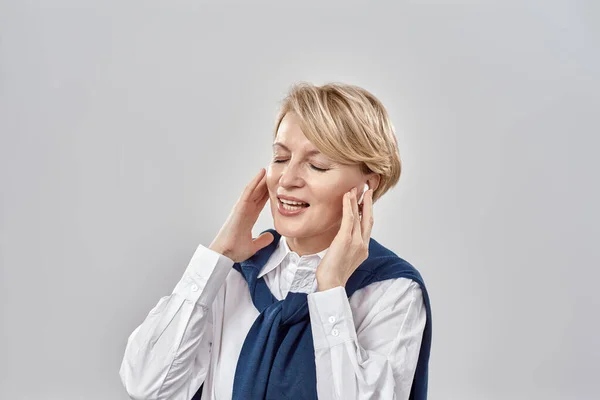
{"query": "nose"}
(291, 176)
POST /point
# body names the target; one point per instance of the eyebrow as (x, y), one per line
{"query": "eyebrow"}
(278, 144)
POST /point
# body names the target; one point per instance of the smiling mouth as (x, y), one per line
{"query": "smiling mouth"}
(292, 207)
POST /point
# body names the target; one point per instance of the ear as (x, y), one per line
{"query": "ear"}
(373, 181)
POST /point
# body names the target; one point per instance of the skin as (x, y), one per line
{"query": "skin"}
(333, 219)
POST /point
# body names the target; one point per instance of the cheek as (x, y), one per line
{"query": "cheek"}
(271, 179)
(331, 202)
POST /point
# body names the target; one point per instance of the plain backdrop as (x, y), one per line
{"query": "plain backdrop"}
(129, 129)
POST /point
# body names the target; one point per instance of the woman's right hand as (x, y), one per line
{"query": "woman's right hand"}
(234, 240)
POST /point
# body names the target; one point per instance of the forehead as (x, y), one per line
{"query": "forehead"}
(290, 136)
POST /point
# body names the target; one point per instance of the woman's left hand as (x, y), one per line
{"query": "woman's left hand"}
(350, 247)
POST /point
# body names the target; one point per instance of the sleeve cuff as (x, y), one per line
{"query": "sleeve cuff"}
(331, 317)
(204, 276)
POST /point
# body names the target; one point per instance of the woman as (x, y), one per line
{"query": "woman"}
(314, 308)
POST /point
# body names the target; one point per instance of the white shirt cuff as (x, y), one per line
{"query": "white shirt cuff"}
(204, 276)
(331, 317)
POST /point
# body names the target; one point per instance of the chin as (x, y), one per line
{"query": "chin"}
(295, 227)
(290, 229)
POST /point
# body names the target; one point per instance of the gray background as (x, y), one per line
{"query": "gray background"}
(129, 128)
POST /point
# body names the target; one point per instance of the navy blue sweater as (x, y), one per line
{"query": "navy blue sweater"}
(277, 359)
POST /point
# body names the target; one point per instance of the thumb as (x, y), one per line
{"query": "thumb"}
(263, 241)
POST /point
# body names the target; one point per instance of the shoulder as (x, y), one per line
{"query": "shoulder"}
(387, 293)
(384, 264)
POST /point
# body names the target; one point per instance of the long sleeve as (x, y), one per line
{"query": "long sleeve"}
(168, 355)
(376, 359)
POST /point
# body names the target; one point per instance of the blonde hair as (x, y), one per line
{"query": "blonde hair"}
(349, 125)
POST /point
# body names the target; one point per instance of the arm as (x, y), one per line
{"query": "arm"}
(378, 361)
(168, 355)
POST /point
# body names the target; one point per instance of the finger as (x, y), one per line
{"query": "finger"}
(356, 224)
(367, 217)
(263, 241)
(252, 185)
(347, 222)
(260, 189)
(254, 208)
(263, 199)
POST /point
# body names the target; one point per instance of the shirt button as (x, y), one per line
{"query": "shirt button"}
(194, 288)
(335, 332)
(331, 319)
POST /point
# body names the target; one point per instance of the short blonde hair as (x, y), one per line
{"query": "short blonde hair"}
(349, 125)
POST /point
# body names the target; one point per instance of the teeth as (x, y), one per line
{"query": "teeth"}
(294, 203)
(291, 208)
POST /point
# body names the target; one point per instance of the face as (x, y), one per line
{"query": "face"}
(297, 170)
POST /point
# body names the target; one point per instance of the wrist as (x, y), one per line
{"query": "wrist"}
(327, 284)
(221, 250)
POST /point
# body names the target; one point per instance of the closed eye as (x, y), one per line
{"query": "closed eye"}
(312, 166)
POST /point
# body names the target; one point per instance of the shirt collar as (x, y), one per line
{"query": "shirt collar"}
(279, 254)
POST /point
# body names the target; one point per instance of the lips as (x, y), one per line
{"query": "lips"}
(293, 199)
(290, 211)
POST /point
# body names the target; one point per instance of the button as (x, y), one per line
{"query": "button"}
(331, 319)
(335, 332)
(194, 288)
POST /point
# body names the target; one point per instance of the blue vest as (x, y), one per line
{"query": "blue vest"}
(277, 360)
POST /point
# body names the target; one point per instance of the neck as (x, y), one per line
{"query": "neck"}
(312, 244)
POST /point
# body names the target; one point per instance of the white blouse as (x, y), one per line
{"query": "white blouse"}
(366, 347)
